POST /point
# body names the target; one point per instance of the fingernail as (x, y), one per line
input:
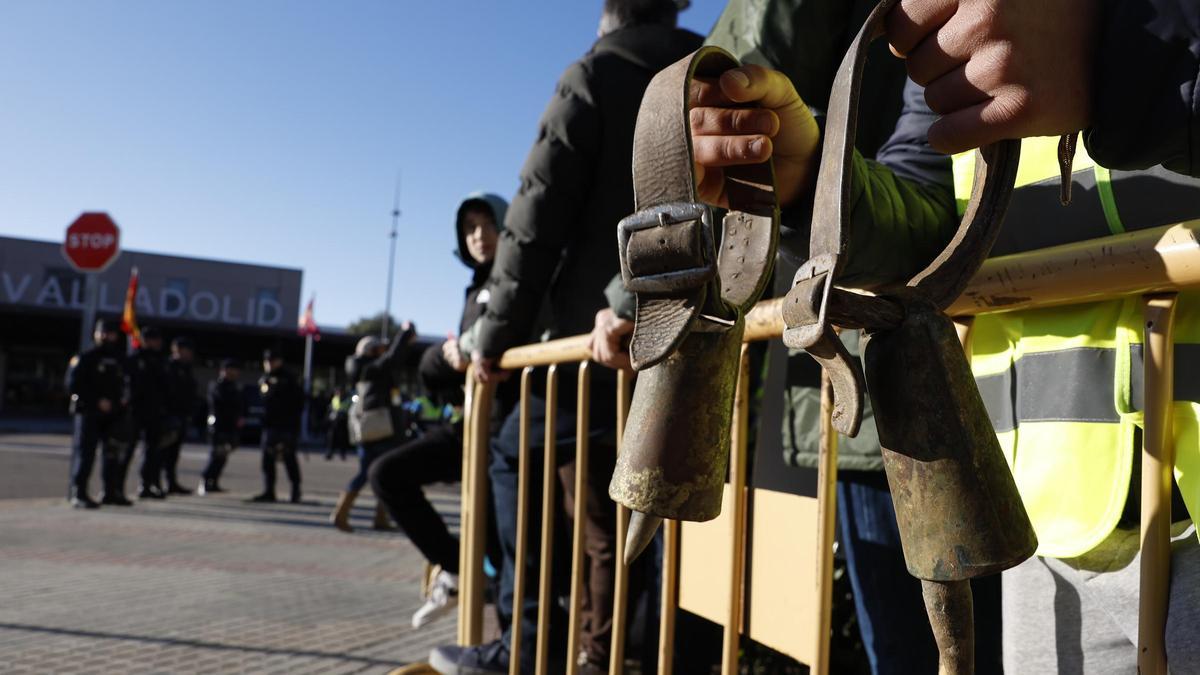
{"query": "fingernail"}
(739, 77)
(756, 147)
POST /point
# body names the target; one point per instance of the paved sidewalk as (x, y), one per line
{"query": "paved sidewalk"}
(208, 584)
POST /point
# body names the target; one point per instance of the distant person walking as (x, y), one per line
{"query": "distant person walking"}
(148, 388)
(181, 408)
(372, 372)
(283, 405)
(226, 409)
(99, 392)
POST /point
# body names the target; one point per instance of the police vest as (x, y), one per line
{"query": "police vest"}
(1063, 385)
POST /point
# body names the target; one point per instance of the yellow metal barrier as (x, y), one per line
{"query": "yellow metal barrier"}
(1155, 263)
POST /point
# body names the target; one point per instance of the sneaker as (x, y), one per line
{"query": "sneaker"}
(177, 489)
(151, 492)
(81, 500)
(480, 660)
(443, 596)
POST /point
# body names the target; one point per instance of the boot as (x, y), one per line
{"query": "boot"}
(340, 518)
(381, 518)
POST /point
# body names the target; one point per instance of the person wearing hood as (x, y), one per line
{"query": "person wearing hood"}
(557, 253)
(372, 371)
(436, 457)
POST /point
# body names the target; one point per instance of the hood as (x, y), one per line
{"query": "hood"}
(651, 46)
(494, 202)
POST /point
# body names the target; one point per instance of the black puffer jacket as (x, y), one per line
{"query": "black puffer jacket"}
(575, 186)
(1147, 108)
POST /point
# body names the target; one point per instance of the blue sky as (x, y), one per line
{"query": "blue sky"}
(271, 131)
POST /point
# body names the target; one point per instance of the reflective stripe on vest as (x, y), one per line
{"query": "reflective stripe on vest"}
(1063, 385)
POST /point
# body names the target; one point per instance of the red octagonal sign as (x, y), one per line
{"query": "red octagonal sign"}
(92, 243)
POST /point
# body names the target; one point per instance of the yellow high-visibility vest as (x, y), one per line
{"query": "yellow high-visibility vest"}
(1063, 385)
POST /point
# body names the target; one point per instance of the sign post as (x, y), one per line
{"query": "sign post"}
(91, 244)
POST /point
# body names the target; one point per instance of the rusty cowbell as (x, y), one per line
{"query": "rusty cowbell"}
(675, 453)
(692, 296)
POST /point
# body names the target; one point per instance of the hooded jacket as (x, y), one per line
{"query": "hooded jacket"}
(576, 185)
(442, 382)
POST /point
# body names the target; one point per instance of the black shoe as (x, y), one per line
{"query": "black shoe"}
(115, 500)
(216, 488)
(295, 494)
(264, 498)
(177, 489)
(481, 660)
(80, 500)
(151, 492)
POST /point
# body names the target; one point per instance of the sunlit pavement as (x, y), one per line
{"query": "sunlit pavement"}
(201, 584)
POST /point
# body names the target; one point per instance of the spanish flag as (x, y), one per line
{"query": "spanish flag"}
(308, 324)
(129, 324)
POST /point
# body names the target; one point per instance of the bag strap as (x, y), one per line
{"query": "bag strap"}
(668, 247)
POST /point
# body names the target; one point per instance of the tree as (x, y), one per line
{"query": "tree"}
(372, 325)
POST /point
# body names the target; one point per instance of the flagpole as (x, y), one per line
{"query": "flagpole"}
(308, 354)
(387, 310)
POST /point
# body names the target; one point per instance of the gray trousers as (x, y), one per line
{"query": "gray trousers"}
(1080, 615)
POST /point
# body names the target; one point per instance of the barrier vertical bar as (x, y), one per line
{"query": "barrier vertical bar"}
(474, 537)
(545, 599)
(616, 657)
(826, 522)
(670, 597)
(514, 666)
(1158, 464)
(464, 521)
(737, 514)
(582, 425)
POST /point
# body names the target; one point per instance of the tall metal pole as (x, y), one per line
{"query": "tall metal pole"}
(88, 319)
(387, 310)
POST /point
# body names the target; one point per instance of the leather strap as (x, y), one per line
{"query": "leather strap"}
(669, 246)
(816, 304)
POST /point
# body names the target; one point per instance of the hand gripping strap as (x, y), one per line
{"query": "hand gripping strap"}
(684, 277)
(815, 304)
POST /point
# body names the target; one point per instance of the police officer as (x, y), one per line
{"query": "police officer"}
(283, 403)
(181, 407)
(99, 396)
(224, 424)
(148, 388)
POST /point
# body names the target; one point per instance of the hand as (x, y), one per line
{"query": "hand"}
(997, 69)
(453, 356)
(104, 405)
(607, 340)
(776, 125)
(408, 332)
(487, 368)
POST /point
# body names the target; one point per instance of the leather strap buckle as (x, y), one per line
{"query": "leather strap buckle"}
(668, 248)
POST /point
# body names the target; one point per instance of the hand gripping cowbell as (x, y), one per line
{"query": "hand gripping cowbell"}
(957, 506)
(692, 293)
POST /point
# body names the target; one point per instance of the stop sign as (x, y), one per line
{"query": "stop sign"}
(92, 242)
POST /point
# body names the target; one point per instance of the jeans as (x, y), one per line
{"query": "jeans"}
(397, 478)
(367, 454)
(891, 611)
(503, 471)
(279, 443)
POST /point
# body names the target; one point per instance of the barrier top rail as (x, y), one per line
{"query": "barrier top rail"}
(1154, 260)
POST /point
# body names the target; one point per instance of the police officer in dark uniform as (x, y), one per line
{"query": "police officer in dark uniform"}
(148, 388)
(99, 393)
(225, 410)
(181, 408)
(283, 403)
